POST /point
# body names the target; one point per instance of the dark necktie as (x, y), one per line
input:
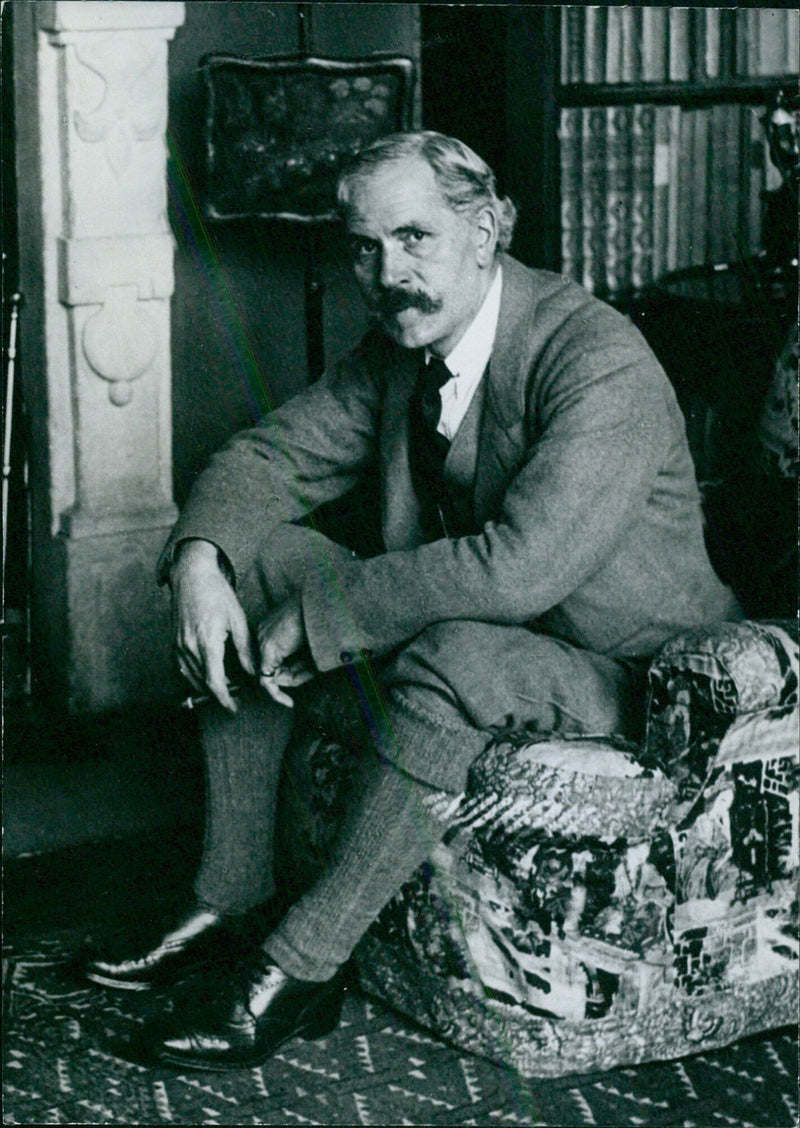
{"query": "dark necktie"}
(427, 448)
(433, 378)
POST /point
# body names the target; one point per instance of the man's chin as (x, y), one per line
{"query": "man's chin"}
(409, 333)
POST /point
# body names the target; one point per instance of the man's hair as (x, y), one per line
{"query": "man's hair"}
(466, 181)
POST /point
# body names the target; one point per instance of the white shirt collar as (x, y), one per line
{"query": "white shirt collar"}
(470, 356)
(468, 360)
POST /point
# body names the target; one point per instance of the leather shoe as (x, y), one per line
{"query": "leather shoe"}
(200, 936)
(242, 1018)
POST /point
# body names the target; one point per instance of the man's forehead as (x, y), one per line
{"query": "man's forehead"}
(395, 193)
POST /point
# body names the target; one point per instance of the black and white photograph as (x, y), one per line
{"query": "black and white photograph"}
(399, 563)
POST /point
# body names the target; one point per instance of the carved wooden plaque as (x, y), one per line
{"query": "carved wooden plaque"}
(279, 130)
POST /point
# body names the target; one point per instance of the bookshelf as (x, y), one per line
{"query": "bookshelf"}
(662, 156)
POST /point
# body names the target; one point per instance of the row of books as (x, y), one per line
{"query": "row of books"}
(639, 43)
(647, 189)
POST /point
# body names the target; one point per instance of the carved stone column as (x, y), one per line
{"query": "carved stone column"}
(91, 77)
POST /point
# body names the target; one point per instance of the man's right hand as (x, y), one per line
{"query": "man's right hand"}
(205, 612)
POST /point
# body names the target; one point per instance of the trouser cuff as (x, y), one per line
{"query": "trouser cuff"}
(298, 964)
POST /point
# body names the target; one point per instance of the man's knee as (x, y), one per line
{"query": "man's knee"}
(499, 674)
(445, 668)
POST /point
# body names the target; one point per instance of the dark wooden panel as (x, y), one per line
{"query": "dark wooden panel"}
(488, 75)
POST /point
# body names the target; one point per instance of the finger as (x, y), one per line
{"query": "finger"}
(241, 640)
(196, 683)
(215, 679)
(296, 673)
(270, 658)
(187, 644)
(220, 690)
(274, 690)
(291, 681)
(190, 668)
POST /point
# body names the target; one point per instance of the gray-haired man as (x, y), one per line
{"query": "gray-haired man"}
(541, 537)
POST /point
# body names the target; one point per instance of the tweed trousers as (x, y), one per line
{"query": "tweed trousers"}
(435, 702)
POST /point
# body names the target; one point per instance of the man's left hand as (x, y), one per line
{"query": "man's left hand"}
(280, 637)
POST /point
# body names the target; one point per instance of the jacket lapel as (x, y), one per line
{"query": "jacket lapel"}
(501, 443)
(462, 457)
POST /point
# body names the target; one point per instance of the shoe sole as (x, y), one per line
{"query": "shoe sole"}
(163, 981)
(116, 984)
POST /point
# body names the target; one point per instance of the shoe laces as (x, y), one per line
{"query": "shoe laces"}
(242, 972)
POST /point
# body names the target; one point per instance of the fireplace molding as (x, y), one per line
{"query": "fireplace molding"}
(96, 270)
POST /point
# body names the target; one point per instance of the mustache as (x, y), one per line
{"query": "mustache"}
(389, 302)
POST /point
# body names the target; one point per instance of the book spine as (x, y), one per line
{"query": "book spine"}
(674, 193)
(696, 33)
(740, 65)
(793, 40)
(614, 44)
(619, 194)
(699, 188)
(747, 37)
(661, 167)
(593, 194)
(654, 44)
(563, 49)
(686, 200)
(734, 248)
(712, 42)
(747, 238)
(772, 27)
(756, 175)
(569, 136)
(727, 43)
(631, 66)
(679, 44)
(644, 120)
(574, 42)
(594, 59)
(722, 211)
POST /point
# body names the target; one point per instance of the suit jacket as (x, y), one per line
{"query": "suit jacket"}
(587, 519)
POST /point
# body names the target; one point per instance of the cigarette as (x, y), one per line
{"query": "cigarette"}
(204, 698)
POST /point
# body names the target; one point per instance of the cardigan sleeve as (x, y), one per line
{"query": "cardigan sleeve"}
(309, 451)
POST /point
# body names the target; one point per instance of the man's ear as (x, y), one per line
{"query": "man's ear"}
(485, 236)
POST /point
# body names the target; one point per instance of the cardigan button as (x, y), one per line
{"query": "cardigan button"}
(346, 657)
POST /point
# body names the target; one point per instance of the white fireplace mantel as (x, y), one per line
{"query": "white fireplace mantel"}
(96, 272)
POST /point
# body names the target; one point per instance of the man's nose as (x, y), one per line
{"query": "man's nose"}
(394, 268)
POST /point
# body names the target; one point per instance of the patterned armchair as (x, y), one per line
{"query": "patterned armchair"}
(598, 904)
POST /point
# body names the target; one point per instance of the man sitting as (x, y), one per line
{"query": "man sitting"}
(542, 537)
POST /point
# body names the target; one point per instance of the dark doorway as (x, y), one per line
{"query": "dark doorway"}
(488, 77)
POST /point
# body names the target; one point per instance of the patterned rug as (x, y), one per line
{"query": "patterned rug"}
(63, 1066)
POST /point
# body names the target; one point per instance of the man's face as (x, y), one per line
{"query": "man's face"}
(423, 269)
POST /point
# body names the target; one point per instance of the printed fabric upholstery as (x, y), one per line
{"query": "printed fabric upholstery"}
(701, 681)
(597, 904)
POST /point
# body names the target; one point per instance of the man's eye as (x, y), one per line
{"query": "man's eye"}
(362, 248)
(414, 237)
